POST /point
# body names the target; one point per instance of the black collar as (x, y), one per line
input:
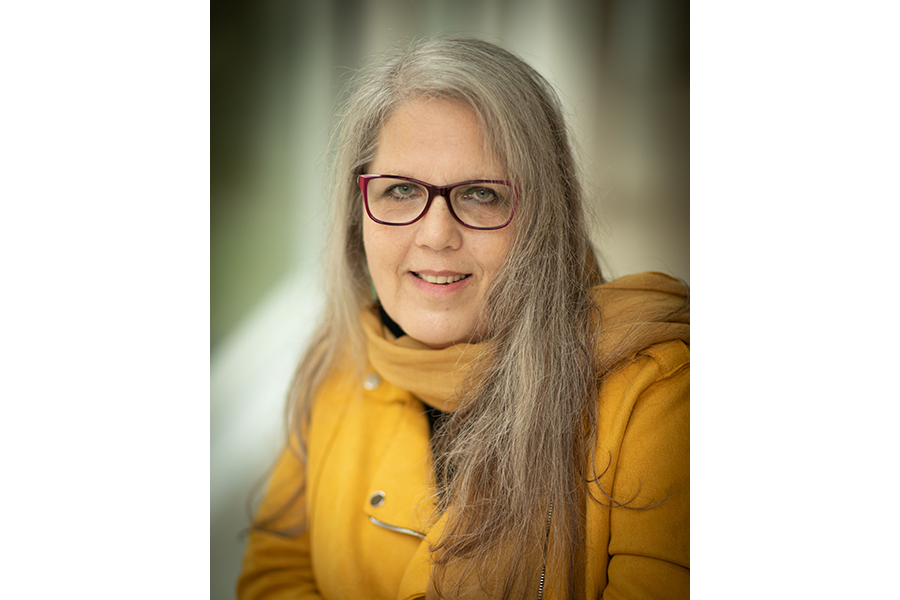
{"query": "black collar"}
(389, 323)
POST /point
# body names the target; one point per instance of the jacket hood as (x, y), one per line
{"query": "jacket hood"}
(635, 312)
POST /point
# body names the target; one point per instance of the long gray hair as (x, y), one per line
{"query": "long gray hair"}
(520, 441)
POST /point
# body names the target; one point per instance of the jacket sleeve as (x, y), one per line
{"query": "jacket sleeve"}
(278, 566)
(649, 543)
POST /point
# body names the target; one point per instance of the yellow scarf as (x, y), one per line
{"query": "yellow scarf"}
(636, 311)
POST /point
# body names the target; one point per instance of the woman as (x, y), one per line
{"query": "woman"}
(494, 422)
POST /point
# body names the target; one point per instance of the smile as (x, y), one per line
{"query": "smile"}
(441, 280)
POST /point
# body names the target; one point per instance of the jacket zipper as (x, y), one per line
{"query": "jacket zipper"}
(546, 544)
(384, 525)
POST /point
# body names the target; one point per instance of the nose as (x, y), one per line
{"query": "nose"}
(437, 229)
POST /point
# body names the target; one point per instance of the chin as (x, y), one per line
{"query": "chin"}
(438, 338)
(435, 341)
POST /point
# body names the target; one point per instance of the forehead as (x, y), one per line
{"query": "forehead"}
(437, 140)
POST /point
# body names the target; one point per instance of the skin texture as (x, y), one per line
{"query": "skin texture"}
(439, 141)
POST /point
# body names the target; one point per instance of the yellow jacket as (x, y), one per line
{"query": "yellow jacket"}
(368, 471)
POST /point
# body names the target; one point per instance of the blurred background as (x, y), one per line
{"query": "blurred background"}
(277, 69)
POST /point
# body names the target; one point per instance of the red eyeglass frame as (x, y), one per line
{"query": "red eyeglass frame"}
(434, 191)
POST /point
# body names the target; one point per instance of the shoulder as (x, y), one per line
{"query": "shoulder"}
(644, 421)
(664, 367)
(667, 358)
(330, 404)
(337, 390)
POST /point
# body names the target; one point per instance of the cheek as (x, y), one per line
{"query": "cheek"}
(494, 251)
(384, 252)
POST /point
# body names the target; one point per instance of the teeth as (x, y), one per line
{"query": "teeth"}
(441, 280)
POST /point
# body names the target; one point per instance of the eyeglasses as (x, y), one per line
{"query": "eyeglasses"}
(479, 204)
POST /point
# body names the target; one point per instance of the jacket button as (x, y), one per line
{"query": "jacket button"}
(372, 381)
(376, 499)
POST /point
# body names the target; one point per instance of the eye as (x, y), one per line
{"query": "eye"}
(403, 191)
(482, 195)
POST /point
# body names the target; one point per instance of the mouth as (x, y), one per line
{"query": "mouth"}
(441, 279)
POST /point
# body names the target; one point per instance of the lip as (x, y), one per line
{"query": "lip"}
(439, 289)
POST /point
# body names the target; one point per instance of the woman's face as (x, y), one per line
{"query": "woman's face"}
(438, 141)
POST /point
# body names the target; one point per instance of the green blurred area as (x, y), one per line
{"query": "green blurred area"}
(249, 229)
